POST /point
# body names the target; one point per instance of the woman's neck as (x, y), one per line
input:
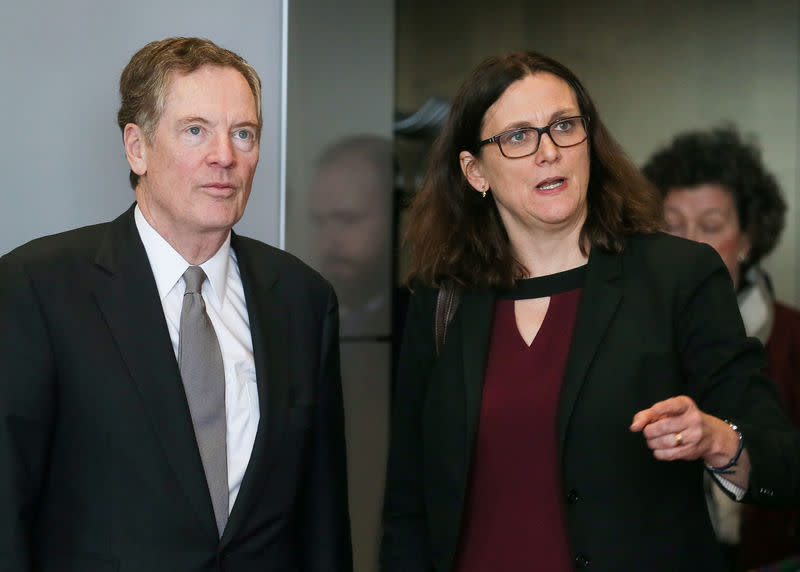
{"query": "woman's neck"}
(549, 252)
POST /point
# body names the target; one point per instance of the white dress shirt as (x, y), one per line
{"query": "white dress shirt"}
(225, 304)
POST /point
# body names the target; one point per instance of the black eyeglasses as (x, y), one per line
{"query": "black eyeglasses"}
(524, 141)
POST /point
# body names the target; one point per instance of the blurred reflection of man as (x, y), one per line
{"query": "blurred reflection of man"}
(351, 206)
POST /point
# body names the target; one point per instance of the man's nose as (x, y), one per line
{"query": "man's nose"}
(221, 152)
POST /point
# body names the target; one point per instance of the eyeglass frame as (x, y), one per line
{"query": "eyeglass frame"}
(540, 131)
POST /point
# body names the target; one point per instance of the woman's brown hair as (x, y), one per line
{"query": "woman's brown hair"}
(721, 156)
(455, 236)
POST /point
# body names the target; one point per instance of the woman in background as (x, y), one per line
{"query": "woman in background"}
(594, 368)
(717, 190)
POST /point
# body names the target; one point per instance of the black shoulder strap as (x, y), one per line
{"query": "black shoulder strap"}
(446, 306)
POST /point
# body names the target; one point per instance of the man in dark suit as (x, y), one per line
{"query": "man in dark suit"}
(170, 396)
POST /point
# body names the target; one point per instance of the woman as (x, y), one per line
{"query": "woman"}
(717, 190)
(588, 370)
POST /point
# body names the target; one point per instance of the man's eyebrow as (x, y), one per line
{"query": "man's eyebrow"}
(246, 123)
(193, 119)
(204, 121)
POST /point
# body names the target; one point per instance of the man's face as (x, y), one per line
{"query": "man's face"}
(352, 222)
(197, 171)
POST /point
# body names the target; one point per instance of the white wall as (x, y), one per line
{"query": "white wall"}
(61, 154)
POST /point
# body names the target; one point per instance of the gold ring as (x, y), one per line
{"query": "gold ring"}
(678, 439)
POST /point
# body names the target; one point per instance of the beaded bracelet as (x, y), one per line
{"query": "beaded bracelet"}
(726, 468)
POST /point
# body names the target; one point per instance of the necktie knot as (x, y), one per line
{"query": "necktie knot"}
(194, 278)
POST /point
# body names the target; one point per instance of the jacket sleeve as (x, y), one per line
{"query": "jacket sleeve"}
(325, 521)
(725, 373)
(405, 546)
(27, 403)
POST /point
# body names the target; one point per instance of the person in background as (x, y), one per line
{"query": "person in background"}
(717, 190)
(351, 212)
(170, 395)
(350, 206)
(593, 369)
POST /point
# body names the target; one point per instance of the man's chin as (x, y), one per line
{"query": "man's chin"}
(349, 293)
(339, 273)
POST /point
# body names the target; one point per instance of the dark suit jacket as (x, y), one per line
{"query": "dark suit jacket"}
(657, 321)
(769, 534)
(99, 468)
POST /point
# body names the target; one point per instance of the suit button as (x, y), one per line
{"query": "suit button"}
(573, 496)
(766, 492)
(582, 561)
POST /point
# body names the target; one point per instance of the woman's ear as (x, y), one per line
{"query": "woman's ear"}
(135, 150)
(744, 247)
(473, 171)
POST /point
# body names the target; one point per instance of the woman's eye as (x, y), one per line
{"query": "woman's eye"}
(563, 125)
(673, 225)
(517, 136)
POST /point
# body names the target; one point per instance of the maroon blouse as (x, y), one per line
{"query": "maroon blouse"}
(514, 519)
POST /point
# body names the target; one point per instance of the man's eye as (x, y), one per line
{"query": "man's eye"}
(244, 134)
(194, 130)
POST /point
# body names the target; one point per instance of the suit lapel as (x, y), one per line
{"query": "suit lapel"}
(130, 303)
(477, 310)
(599, 301)
(269, 328)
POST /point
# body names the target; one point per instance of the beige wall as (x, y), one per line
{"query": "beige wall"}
(653, 69)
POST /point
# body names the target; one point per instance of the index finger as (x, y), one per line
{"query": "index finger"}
(642, 418)
(667, 408)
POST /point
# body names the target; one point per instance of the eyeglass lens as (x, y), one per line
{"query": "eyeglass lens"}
(525, 141)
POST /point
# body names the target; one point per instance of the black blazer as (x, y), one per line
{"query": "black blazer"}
(657, 321)
(99, 467)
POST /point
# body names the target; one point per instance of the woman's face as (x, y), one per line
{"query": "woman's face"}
(707, 213)
(545, 191)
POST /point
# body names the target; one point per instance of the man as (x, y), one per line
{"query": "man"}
(351, 207)
(170, 395)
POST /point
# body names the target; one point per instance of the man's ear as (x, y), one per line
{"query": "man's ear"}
(473, 172)
(135, 148)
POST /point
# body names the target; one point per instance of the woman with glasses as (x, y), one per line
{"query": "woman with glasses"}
(717, 190)
(568, 373)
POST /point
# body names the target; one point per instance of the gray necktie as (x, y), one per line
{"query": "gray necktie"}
(200, 362)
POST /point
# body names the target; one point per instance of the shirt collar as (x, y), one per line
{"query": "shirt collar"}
(168, 266)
